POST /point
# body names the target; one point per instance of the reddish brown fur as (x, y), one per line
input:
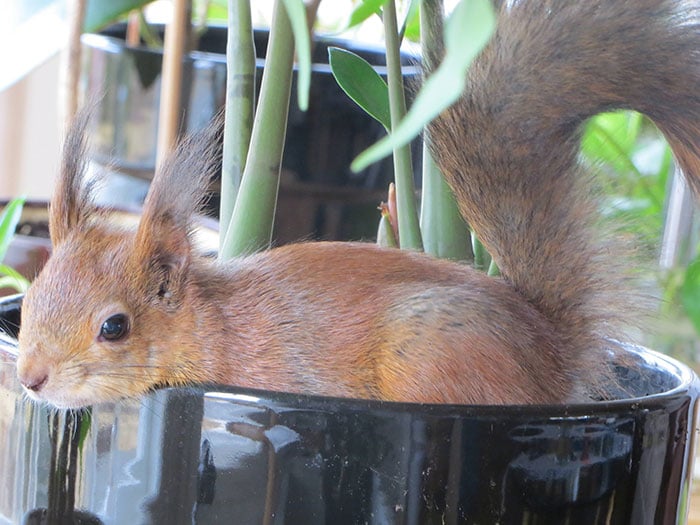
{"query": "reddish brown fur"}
(354, 320)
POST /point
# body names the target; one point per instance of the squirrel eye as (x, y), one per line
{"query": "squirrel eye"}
(115, 327)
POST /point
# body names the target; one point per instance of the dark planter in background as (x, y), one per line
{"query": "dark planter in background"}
(227, 455)
(30, 247)
(319, 196)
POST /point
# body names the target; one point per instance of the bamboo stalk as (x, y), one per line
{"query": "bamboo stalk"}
(253, 216)
(240, 98)
(71, 61)
(133, 31)
(409, 229)
(176, 35)
(445, 233)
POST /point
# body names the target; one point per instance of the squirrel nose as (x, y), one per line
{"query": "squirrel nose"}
(34, 380)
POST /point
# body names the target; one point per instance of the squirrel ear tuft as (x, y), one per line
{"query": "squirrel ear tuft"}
(177, 192)
(181, 180)
(72, 201)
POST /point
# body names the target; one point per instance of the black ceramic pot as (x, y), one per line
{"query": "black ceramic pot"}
(320, 197)
(227, 455)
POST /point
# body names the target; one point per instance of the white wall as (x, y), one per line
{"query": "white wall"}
(30, 133)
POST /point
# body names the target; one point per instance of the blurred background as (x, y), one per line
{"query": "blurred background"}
(643, 197)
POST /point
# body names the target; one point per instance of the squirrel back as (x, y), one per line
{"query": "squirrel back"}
(117, 313)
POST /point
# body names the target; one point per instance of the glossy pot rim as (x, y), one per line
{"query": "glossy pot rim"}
(688, 387)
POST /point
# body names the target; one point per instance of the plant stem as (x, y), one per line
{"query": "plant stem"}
(240, 107)
(482, 259)
(176, 36)
(148, 34)
(133, 31)
(71, 60)
(445, 233)
(494, 270)
(251, 224)
(409, 229)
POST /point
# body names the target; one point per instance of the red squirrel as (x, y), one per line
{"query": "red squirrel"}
(117, 313)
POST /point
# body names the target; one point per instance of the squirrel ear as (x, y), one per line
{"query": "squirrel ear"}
(72, 201)
(162, 251)
(162, 246)
(176, 194)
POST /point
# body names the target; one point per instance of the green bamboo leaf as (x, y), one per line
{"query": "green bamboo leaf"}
(84, 428)
(612, 138)
(385, 233)
(363, 11)
(467, 31)
(411, 25)
(8, 223)
(13, 279)
(9, 282)
(482, 258)
(361, 83)
(494, 270)
(100, 13)
(302, 44)
(690, 293)
(217, 10)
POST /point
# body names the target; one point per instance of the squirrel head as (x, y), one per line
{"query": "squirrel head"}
(101, 320)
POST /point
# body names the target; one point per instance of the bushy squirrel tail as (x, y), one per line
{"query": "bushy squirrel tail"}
(509, 147)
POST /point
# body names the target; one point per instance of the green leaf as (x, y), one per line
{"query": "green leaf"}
(690, 293)
(361, 83)
(467, 31)
(302, 44)
(363, 11)
(385, 233)
(636, 162)
(494, 270)
(482, 258)
(8, 223)
(612, 137)
(84, 428)
(217, 10)
(100, 13)
(13, 279)
(411, 24)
